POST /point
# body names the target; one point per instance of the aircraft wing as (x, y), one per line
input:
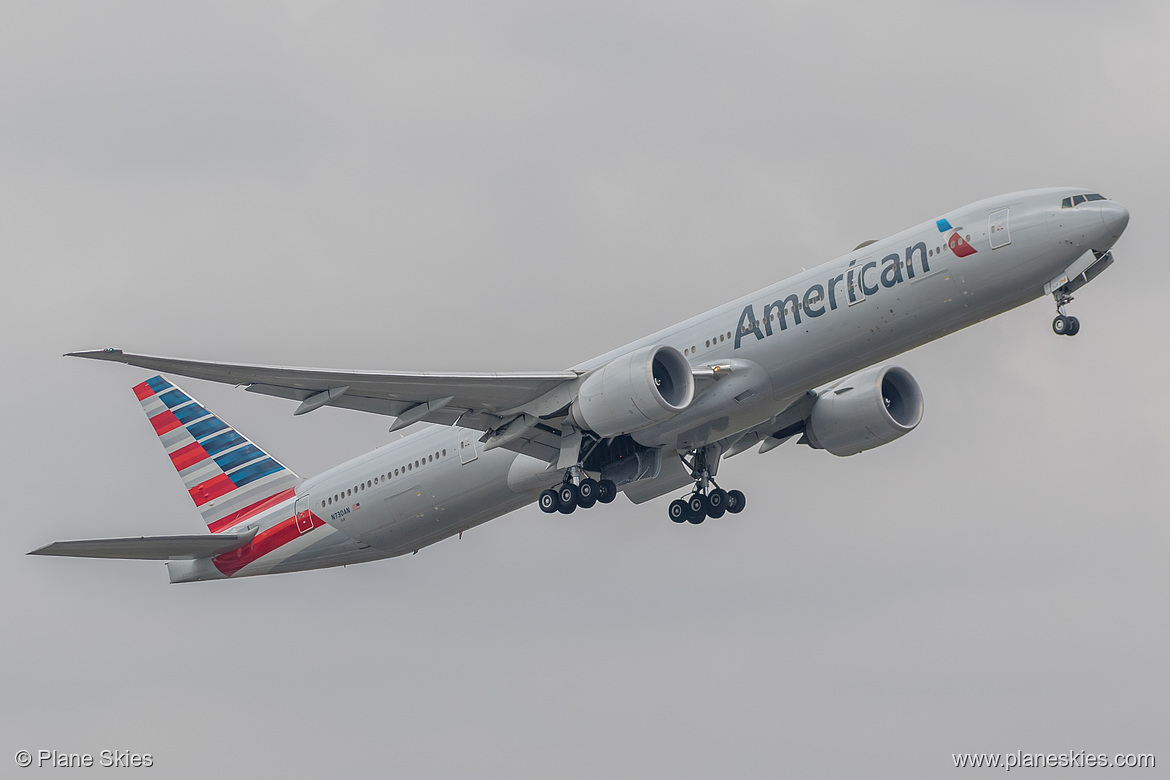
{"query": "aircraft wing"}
(150, 548)
(482, 401)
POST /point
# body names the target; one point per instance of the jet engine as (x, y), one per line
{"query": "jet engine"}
(865, 410)
(633, 391)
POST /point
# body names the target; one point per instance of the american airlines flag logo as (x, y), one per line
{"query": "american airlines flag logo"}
(956, 243)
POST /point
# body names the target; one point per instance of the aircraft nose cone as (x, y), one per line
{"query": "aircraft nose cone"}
(1115, 216)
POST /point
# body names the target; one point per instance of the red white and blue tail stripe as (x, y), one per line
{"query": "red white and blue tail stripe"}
(227, 476)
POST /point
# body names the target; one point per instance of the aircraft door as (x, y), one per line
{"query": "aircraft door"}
(854, 284)
(303, 515)
(997, 229)
(467, 447)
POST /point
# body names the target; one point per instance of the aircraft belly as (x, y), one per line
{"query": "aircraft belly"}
(333, 549)
(485, 505)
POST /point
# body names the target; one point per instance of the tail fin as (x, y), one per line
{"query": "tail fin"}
(229, 478)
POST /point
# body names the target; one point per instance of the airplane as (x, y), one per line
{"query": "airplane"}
(801, 358)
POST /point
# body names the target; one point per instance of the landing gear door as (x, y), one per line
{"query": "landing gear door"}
(467, 447)
(997, 229)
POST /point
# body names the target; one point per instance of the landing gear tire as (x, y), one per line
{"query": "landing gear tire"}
(606, 491)
(698, 505)
(1074, 326)
(1061, 325)
(716, 503)
(567, 498)
(735, 501)
(587, 493)
(678, 511)
(548, 502)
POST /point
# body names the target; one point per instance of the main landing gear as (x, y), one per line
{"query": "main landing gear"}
(707, 499)
(577, 491)
(1064, 324)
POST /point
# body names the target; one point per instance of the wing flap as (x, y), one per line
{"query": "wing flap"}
(150, 548)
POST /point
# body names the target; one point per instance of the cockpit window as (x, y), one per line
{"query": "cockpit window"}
(1077, 200)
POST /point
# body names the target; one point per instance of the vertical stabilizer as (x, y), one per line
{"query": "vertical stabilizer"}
(227, 476)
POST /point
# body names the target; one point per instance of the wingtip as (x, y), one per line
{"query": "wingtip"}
(96, 354)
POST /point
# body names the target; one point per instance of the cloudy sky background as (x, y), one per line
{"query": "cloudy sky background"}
(510, 186)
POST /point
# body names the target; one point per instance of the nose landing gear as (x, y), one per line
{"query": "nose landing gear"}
(1064, 324)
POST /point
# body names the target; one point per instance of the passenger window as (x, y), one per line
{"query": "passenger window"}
(444, 453)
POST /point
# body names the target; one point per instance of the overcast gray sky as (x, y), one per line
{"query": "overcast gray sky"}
(508, 186)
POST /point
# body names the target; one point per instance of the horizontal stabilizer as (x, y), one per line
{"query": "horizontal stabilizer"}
(150, 548)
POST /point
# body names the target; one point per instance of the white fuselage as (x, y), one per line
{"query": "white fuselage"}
(780, 342)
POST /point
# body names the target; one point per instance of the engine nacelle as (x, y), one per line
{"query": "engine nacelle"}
(633, 391)
(866, 410)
